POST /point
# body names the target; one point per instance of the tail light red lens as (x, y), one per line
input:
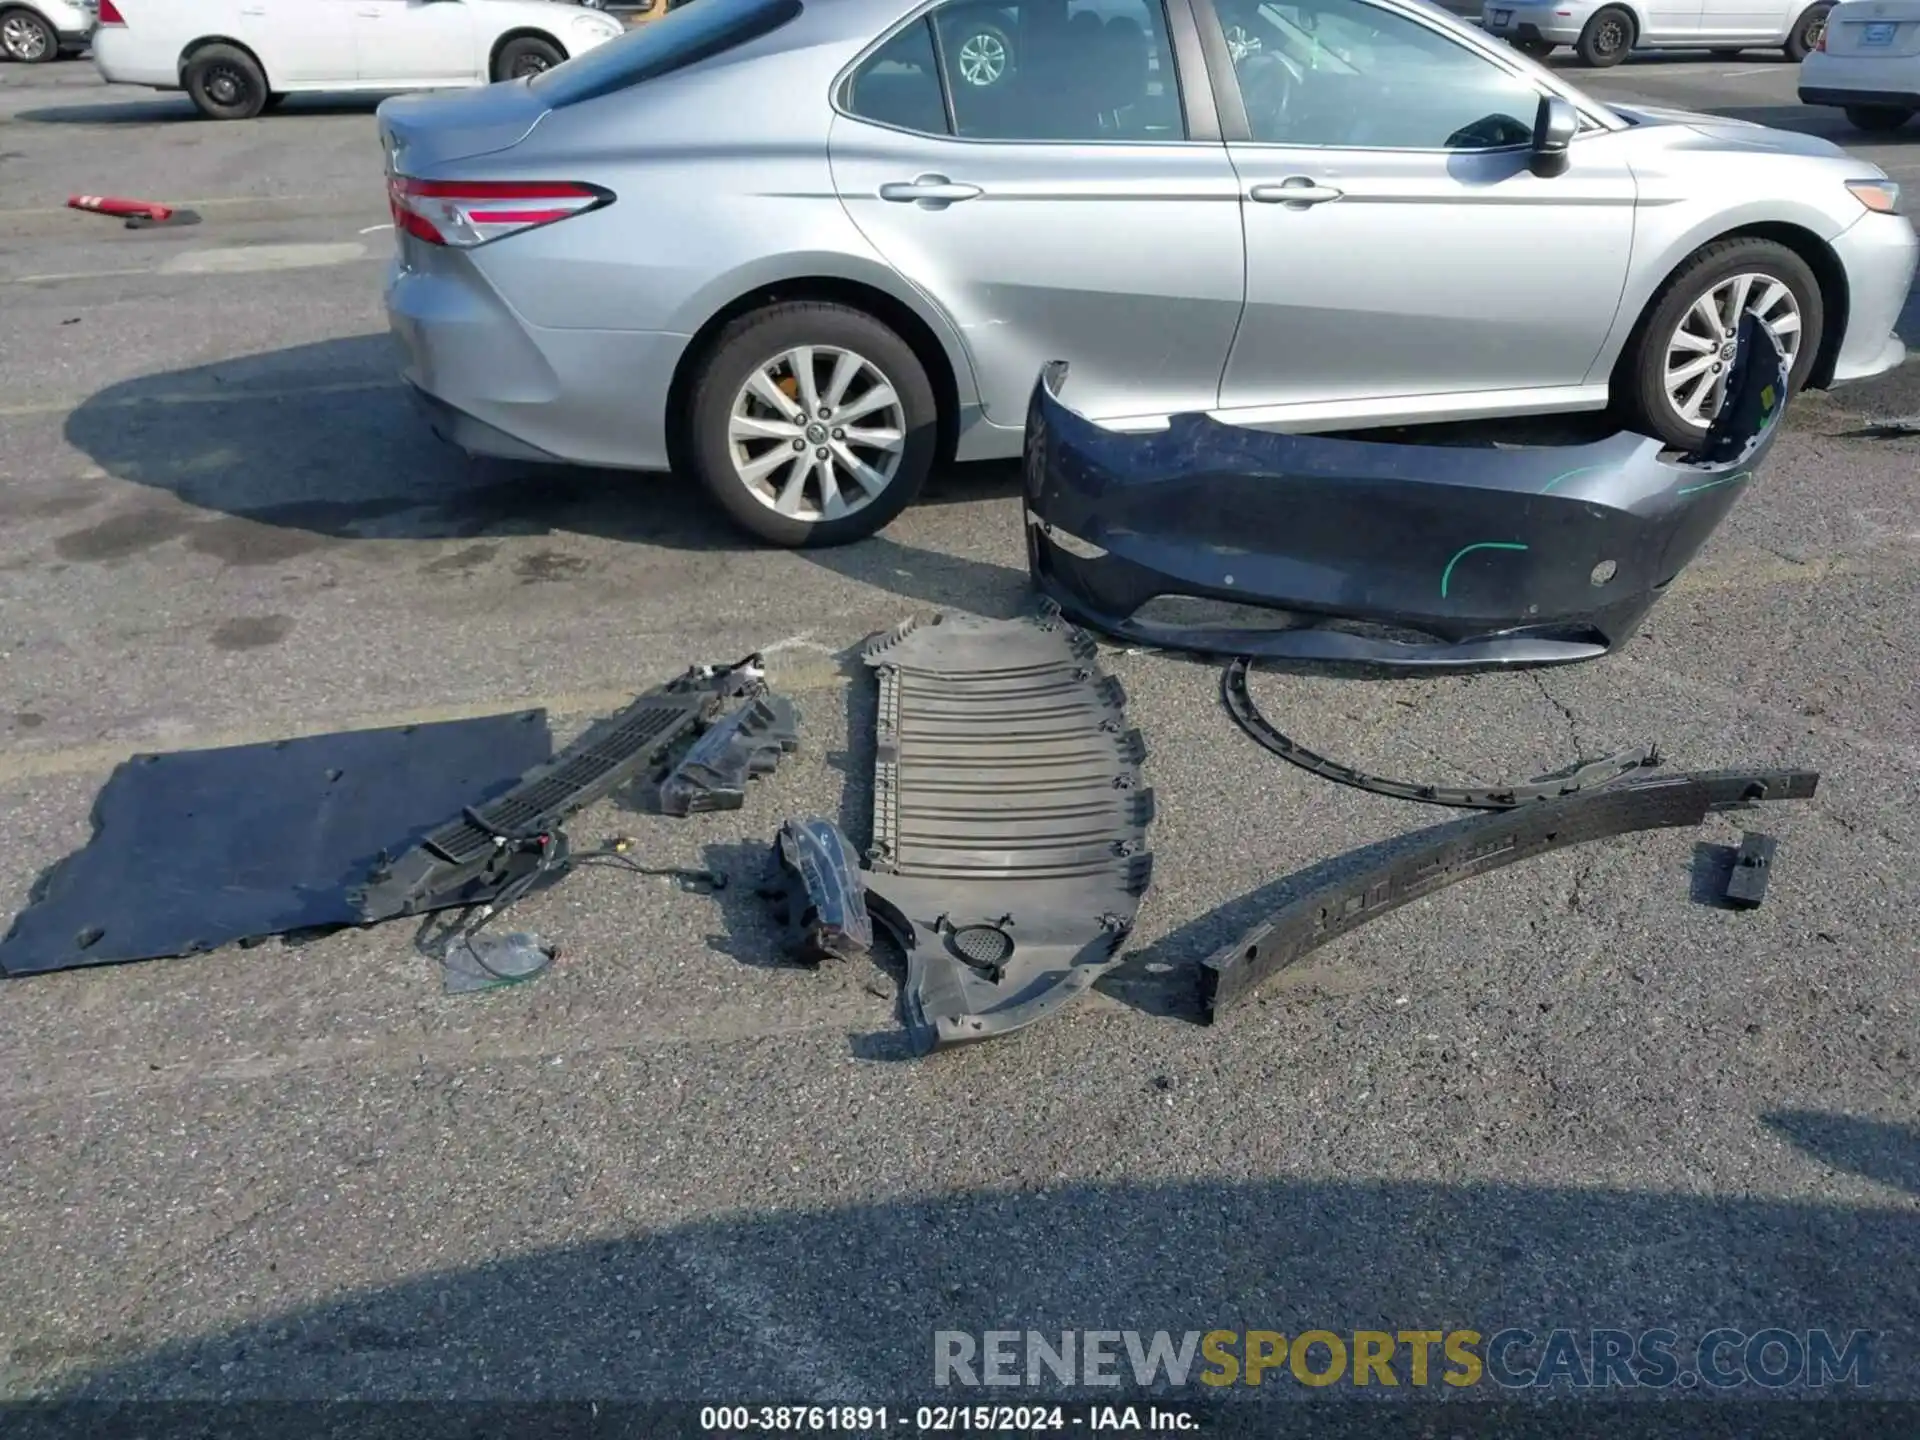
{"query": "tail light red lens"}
(110, 13)
(465, 213)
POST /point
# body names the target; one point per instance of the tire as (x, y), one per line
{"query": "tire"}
(26, 39)
(1877, 118)
(1807, 33)
(1640, 390)
(760, 344)
(1607, 40)
(226, 83)
(527, 55)
(1538, 49)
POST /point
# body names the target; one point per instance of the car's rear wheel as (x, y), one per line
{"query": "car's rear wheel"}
(813, 424)
(1805, 38)
(226, 83)
(528, 55)
(26, 38)
(1607, 40)
(1673, 375)
(1877, 118)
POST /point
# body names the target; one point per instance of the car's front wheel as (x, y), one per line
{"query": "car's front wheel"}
(226, 83)
(26, 38)
(812, 424)
(1672, 377)
(1877, 118)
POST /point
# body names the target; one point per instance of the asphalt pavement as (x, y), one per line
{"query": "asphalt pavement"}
(1567, 1094)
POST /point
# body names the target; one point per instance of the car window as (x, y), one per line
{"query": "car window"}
(899, 84)
(1089, 70)
(685, 35)
(1345, 73)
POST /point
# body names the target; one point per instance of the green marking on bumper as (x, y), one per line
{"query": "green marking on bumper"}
(1583, 470)
(1447, 574)
(1712, 484)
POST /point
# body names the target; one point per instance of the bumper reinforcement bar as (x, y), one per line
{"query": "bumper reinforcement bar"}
(1474, 847)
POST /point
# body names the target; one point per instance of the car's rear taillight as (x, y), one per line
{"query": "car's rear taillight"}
(110, 13)
(465, 213)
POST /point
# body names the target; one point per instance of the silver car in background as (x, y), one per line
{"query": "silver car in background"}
(805, 250)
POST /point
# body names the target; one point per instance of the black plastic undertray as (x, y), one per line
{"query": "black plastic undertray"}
(197, 849)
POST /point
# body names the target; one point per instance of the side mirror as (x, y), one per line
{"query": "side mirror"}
(1554, 126)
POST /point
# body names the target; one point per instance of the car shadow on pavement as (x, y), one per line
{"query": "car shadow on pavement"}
(172, 109)
(844, 1304)
(322, 439)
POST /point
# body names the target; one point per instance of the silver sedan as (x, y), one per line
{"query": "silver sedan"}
(805, 250)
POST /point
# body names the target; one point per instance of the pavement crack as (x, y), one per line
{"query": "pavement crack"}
(1566, 712)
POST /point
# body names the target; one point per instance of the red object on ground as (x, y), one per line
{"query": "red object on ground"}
(126, 209)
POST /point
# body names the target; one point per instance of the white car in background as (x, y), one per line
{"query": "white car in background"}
(1604, 32)
(1867, 63)
(35, 31)
(239, 57)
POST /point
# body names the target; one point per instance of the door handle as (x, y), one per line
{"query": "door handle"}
(933, 189)
(1294, 190)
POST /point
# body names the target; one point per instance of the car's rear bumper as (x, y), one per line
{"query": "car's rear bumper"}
(499, 386)
(1879, 253)
(121, 59)
(1410, 556)
(1858, 79)
(1535, 22)
(1831, 94)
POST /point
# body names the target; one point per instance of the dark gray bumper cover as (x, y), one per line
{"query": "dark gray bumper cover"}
(1382, 554)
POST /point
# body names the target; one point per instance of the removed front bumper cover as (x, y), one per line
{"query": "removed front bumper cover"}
(1383, 554)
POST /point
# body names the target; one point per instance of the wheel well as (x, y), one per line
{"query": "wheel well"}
(1834, 296)
(194, 48)
(1827, 272)
(851, 293)
(523, 33)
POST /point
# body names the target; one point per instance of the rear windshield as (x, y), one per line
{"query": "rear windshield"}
(689, 33)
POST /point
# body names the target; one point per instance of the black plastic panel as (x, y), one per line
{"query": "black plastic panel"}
(1009, 831)
(200, 848)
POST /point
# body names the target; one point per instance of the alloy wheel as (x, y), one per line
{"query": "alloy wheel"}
(817, 433)
(529, 65)
(1700, 353)
(23, 38)
(1611, 37)
(983, 59)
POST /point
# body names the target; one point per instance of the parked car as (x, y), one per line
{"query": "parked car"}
(33, 32)
(1868, 63)
(835, 261)
(237, 58)
(1603, 32)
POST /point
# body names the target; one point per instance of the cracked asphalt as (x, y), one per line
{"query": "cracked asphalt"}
(1569, 1094)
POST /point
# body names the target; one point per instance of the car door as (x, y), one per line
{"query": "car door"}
(299, 42)
(415, 42)
(1732, 20)
(1029, 167)
(1399, 248)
